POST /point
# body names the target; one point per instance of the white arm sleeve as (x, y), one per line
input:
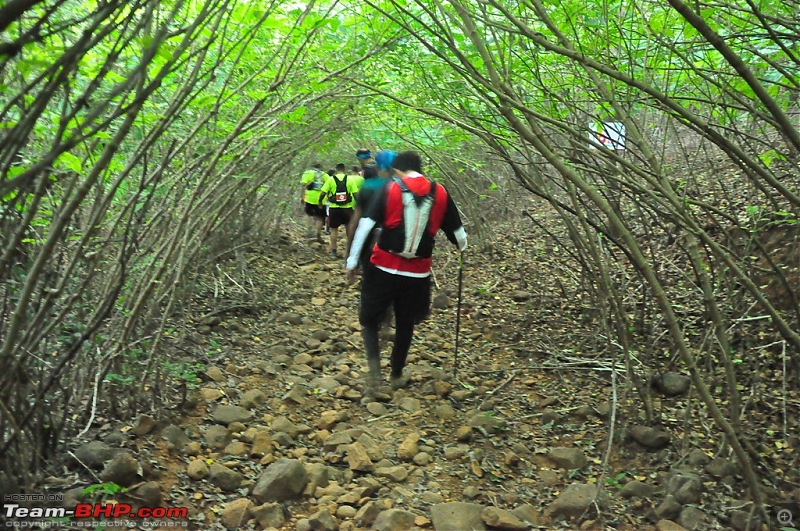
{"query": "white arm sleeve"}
(461, 238)
(365, 226)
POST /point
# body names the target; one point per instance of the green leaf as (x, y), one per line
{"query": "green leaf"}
(104, 488)
(295, 116)
(13, 171)
(769, 156)
(69, 161)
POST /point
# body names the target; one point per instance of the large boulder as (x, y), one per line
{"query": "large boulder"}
(409, 447)
(721, 467)
(322, 520)
(568, 458)
(225, 478)
(358, 459)
(217, 437)
(501, 519)
(457, 516)
(636, 489)
(236, 513)
(269, 515)
(283, 480)
(228, 414)
(197, 469)
(686, 487)
(122, 470)
(672, 383)
(576, 500)
(648, 437)
(252, 399)
(394, 520)
(95, 454)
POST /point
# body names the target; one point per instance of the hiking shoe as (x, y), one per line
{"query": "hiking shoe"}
(376, 391)
(398, 382)
(381, 394)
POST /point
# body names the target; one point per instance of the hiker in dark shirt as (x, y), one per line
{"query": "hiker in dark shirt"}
(376, 176)
(364, 157)
(411, 210)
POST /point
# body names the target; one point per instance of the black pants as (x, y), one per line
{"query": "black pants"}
(409, 296)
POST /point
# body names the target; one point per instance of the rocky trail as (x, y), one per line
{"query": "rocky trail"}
(278, 434)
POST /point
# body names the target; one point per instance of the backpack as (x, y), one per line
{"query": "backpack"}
(341, 196)
(317, 183)
(411, 238)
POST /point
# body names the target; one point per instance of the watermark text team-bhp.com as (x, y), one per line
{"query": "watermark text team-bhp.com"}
(27, 510)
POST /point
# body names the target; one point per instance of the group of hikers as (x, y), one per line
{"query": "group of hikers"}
(329, 200)
(391, 213)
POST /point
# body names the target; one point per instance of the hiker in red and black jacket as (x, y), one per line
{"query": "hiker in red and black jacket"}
(411, 210)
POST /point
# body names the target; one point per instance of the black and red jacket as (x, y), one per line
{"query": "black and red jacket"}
(387, 210)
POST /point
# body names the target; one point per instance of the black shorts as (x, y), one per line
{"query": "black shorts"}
(340, 216)
(315, 210)
(409, 296)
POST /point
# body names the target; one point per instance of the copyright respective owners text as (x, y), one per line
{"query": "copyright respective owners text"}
(785, 515)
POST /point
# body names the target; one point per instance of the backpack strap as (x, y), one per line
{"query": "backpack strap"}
(316, 182)
(418, 199)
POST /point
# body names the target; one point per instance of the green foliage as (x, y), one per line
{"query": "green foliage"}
(185, 372)
(617, 481)
(130, 366)
(758, 218)
(99, 490)
(119, 378)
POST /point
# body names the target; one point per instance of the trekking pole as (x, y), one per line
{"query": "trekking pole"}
(458, 309)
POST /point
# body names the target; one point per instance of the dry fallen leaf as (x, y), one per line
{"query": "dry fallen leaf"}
(476, 468)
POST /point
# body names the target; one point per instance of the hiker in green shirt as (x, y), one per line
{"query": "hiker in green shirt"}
(356, 173)
(340, 190)
(311, 182)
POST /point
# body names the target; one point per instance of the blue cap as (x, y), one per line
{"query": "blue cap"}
(384, 159)
(363, 153)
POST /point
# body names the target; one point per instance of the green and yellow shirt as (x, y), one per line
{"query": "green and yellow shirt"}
(313, 180)
(353, 184)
